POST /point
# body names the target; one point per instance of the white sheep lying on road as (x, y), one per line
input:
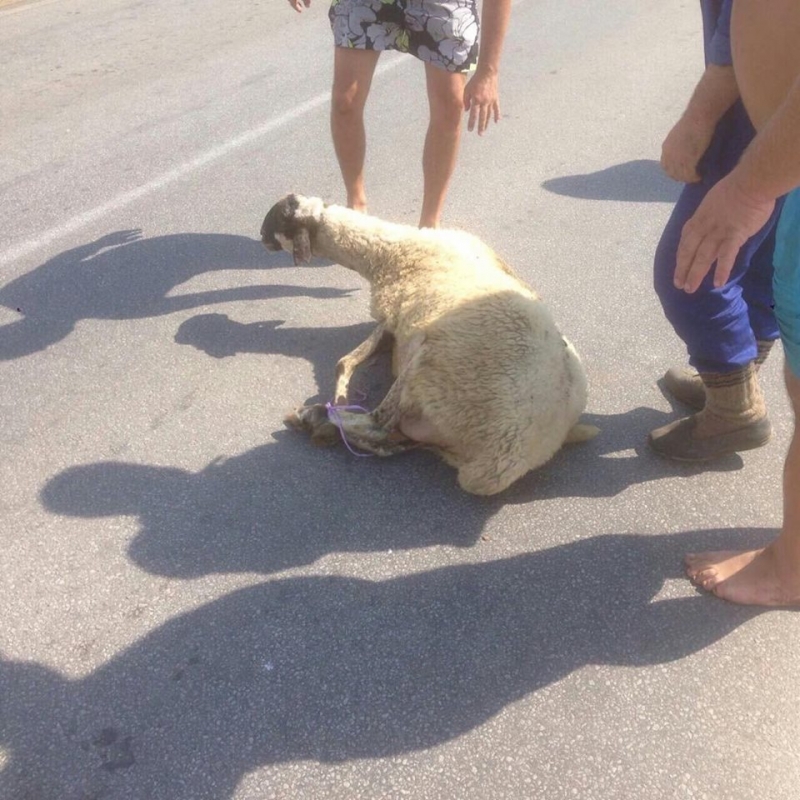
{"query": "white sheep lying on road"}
(483, 375)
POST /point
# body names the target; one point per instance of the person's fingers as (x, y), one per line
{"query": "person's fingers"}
(687, 247)
(704, 257)
(681, 171)
(686, 174)
(725, 261)
(496, 112)
(484, 123)
(473, 115)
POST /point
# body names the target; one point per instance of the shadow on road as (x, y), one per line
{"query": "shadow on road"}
(332, 668)
(286, 503)
(122, 276)
(618, 458)
(221, 337)
(640, 181)
(280, 505)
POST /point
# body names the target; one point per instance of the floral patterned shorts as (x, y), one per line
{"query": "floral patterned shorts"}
(440, 32)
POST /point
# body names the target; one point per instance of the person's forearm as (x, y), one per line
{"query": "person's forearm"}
(715, 93)
(770, 167)
(494, 23)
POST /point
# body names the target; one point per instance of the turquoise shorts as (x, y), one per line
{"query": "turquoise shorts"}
(786, 280)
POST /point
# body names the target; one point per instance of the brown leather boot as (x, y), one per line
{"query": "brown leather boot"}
(734, 418)
(686, 385)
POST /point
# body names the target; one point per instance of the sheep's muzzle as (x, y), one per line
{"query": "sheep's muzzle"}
(269, 227)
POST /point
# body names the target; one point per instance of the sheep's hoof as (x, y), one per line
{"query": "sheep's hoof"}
(325, 435)
(314, 421)
(581, 433)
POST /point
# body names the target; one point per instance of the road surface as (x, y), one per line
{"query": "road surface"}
(198, 605)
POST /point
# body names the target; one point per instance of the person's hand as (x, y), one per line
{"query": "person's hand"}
(723, 222)
(684, 147)
(481, 100)
(297, 5)
(119, 237)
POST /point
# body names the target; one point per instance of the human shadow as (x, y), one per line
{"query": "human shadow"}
(277, 506)
(286, 503)
(221, 337)
(332, 669)
(639, 181)
(124, 276)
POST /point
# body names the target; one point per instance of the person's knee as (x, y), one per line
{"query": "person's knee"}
(447, 104)
(673, 300)
(347, 101)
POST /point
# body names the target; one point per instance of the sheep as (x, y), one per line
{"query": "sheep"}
(483, 376)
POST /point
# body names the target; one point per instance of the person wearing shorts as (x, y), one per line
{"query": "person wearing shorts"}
(446, 35)
(766, 55)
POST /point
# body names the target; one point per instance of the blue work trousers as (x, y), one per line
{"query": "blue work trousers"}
(720, 327)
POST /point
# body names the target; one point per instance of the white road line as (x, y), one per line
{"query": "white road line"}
(203, 160)
(16, 7)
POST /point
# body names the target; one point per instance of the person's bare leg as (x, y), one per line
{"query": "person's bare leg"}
(770, 576)
(352, 77)
(446, 104)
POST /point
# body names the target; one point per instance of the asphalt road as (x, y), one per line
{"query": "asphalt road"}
(195, 604)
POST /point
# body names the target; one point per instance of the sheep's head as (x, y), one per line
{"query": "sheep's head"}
(290, 224)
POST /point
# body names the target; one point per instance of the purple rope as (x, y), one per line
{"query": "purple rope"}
(335, 418)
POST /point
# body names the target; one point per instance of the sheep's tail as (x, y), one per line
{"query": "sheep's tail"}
(581, 433)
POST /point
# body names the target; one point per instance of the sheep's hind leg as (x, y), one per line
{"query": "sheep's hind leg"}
(358, 430)
(314, 421)
(364, 432)
(348, 364)
(377, 432)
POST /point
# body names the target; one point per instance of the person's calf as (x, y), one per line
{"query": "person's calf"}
(442, 141)
(685, 384)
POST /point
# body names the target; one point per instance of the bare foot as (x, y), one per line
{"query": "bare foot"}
(716, 564)
(755, 577)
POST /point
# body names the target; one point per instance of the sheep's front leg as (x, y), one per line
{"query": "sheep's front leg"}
(347, 364)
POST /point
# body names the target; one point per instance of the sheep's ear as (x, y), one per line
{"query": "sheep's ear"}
(301, 247)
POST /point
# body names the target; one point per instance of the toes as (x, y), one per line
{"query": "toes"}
(706, 578)
(694, 565)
